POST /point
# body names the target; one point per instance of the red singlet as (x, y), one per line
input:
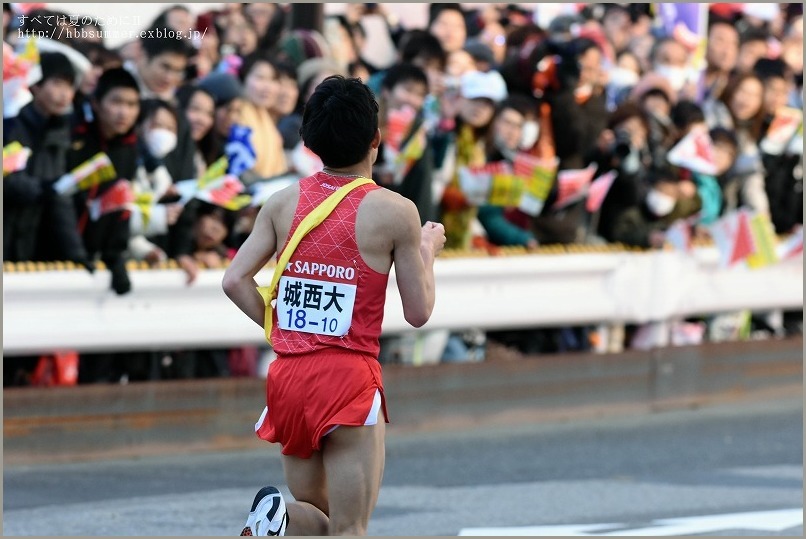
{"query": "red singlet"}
(327, 322)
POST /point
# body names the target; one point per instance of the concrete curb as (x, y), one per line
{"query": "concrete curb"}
(102, 422)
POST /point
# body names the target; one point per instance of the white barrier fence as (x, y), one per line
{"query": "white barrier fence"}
(72, 310)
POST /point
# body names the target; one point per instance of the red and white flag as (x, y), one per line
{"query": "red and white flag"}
(118, 197)
(598, 190)
(573, 185)
(783, 128)
(694, 152)
(791, 247)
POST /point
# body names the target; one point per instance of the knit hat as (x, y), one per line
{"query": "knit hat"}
(222, 86)
(56, 65)
(301, 45)
(480, 51)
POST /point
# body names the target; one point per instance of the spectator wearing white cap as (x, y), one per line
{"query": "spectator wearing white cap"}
(479, 93)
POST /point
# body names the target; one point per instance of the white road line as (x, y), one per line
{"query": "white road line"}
(769, 521)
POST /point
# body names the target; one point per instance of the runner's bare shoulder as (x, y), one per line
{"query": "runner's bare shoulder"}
(387, 210)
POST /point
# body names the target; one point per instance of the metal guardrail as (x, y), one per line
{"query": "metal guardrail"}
(54, 309)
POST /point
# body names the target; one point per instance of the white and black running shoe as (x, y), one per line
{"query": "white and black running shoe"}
(268, 516)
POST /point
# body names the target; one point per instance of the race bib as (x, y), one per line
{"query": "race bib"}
(317, 296)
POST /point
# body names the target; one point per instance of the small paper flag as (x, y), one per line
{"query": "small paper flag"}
(783, 128)
(118, 197)
(764, 240)
(92, 172)
(15, 158)
(694, 152)
(678, 235)
(792, 246)
(598, 190)
(573, 185)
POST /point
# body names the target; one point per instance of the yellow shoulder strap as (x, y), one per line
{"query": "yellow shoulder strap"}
(311, 221)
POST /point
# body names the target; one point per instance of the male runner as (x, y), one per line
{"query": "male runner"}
(325, 389)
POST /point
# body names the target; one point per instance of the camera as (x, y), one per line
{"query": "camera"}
(622, 146)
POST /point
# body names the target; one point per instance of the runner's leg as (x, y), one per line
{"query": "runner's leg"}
(354, 459)
(307, 515)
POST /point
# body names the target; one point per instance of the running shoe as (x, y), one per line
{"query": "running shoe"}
(268, 516)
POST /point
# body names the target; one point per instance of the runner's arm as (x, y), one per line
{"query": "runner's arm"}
(414, 253)
(239, 279)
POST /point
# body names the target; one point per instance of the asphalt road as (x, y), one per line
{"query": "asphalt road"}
(670, 473)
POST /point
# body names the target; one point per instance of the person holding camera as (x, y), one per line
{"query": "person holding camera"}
(623, 147)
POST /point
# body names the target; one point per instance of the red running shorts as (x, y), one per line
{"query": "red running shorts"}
(308, 396)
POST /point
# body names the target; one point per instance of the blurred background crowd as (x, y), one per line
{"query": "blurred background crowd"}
(164, 147)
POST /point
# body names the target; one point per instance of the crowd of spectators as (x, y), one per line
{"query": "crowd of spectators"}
(606, 84)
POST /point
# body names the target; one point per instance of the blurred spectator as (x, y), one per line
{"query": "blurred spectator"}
(578, 116)
(483, 57)
(356, 12)
(240, 35)
(209, 234)
(161, 68)
(157, 135)
(261, 88)
(339, 34)
(778, 84)
(297, 46)
(726, 149)
(623, 147)
(286, 103)
(208, 55)
(38, 223)
(199, 108)
(458, 63)
(686, 115)
(448, 25)
(101, 59)
(670, 60)
(176, 17)
(504, 142)
(8, 19)
(741, 107)
(656, 98)
(617, 26)
(721, 55)
(622, 78)
(116, 106)
(667, 200)
(265, 17)
(159, 71)
(421, 48)
(228, 95)
(405, 88)
(792, 54)
(479, 93)
(754, 45)
(783, 181)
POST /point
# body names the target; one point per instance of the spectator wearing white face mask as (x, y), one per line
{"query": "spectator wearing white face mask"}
(670, 61)
(157, 130)
(667, 200)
